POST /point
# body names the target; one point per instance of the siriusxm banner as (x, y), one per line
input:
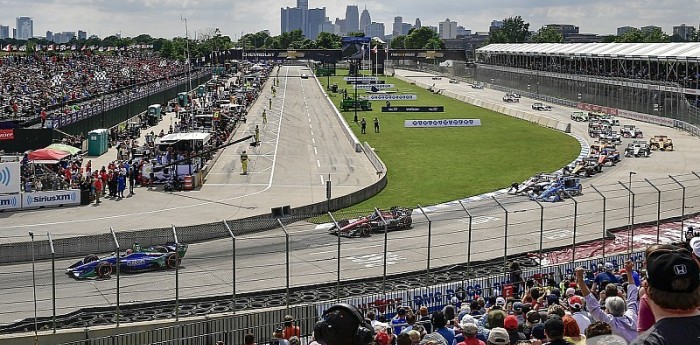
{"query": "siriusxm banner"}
(391, 97)
(9, 178)
(370, 86)
(442, 123)
(42, 199)
(10, 202)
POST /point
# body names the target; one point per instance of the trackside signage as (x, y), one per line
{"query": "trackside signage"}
(361, 79)
(391, 97)
(370, 86)
(421, 109)
(442, 123)
(9, 178)
(57, 198)
(10, 202)
(7, 134)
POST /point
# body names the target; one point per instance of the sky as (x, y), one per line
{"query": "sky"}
(162, 18)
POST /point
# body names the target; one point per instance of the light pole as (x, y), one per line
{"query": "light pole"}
(36, 335)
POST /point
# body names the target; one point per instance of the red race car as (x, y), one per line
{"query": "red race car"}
(397, 218)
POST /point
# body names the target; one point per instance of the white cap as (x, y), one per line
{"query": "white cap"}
(570, 291)
(695, 246)
(501, 301)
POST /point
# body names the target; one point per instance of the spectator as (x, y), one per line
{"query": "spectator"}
(415, 336)
(440, 326)
(425, 319)
(622, 320)
(571, 331)
(695, 248)
(290, 328)
(498, 336)
(410, 322)
(398, 322)
(511, 325)
(249, 339)
(538, 332)
(278, 338)
(674, 297)
(469, 331)
(531, 319)
(598, 328)
(607, 275)
(294, 340)
(343, 324)
(578, 313)
(433, 339)
(554, 329)
(404, 339)
(516, 277)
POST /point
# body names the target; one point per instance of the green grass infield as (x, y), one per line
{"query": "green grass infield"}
(428, 166)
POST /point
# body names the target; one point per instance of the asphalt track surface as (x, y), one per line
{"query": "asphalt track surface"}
(260, 262)
(301, 146)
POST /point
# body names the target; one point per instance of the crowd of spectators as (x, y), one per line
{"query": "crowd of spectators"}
(31, 84)
(657, 302)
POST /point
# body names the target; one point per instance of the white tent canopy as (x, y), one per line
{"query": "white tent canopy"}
(660, 51)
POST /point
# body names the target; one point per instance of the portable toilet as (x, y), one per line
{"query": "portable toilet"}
(98, 142)
(154, 114)
(182, 99)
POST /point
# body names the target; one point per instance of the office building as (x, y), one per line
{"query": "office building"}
(495, 25)
(447, 29)
(82, 35)
(461, 31)
(352, 19)
(292, 19)
(365, 20)
(375, 30)
(49, 36)
(25, 28)
(340, 27)
(418, 24)
(314, 21)
(685, 32)
(564, 29)
(624, 29)
(4, 32)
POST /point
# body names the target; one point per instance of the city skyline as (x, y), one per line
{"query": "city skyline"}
(159, 18)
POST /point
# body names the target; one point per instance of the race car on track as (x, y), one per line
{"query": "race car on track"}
(579, 116)
(133, 260)
(661, 142)
(558, 190)
(397, 218)
(637, 148)
(541, 107)
(630, 131)
(508, 98)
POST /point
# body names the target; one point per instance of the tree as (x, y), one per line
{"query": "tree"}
(397, 42)
(423, 37)
(635, 35)
(514, 30)
(655, 35)
(547, 34)
(327, 40)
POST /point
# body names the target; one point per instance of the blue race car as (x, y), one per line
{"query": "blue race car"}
(133, 260)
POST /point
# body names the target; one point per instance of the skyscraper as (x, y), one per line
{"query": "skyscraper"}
(447, 29)
(4, 32)
(685, 32)
(303, 4)
(365, 20)
(292, 19)
(82, 35)
(418, 24)
(396, 27)
(375, 30)
(352, 19)
(25, 28)
(315, 18)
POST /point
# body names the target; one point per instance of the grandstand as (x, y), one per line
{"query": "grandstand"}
(662, 79)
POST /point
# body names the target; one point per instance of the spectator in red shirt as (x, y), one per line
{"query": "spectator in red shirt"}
(290, 329)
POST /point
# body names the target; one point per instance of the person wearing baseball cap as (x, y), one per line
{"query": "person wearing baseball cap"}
(674, 298)
(695, 247)
(578, 313)
(621, 314)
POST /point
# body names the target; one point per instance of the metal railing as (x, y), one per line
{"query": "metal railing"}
(281, 262)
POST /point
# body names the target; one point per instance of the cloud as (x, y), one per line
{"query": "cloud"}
(161, 18)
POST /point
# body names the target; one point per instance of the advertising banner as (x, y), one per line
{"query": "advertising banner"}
(442, 123)
(422, 109)
(9, 178)
(55, 198)
(370, 86)
(361, 78)
(10, 202)
(7, 134)
(391, 97)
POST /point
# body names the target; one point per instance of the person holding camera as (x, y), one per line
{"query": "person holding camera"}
(343, 324)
